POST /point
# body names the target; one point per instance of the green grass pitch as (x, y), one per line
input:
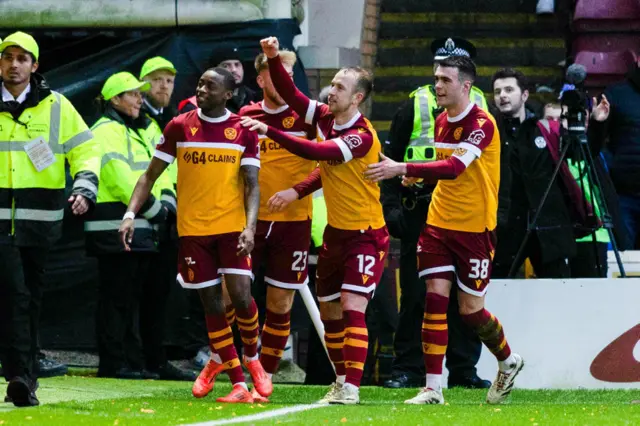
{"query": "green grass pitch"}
(89, 401)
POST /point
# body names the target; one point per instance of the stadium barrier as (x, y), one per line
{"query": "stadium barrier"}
(575, 333)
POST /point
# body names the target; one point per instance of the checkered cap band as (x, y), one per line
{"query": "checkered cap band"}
(443, 52)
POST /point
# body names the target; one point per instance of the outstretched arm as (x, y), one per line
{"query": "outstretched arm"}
(324, 151)
(447, 169)
(334, 149)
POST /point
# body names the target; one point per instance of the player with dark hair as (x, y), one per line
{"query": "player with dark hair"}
(356, 240)
(218, 163)
(458, 241)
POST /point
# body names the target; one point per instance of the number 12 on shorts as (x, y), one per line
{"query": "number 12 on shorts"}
(366, 263)
(479, 268)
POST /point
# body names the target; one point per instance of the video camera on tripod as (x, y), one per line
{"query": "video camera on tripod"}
(574, 102)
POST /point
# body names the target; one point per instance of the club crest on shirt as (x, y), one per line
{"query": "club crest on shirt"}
(459, 152)
(476, 137)
(191, 275)
(230, 133)
(194, 130)
(353, 141)
(540, 142)
(457, 134)
(288, 122)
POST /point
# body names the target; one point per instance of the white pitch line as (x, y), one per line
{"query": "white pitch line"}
(261, 416)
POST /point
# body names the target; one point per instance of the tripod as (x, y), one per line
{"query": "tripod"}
(586, 167)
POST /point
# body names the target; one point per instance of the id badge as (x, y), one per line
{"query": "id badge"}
(40, 154)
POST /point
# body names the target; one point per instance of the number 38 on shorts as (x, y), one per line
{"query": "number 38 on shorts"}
(464, 258)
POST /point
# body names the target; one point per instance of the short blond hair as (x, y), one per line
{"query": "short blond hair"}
(286, 57)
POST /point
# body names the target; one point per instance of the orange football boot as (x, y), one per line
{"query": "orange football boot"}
(261, 380)
(207, 378)
(238, 395)
(257, 398)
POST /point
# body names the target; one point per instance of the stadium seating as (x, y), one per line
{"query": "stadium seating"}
(605, 42)
(606, 16)
(605, 68)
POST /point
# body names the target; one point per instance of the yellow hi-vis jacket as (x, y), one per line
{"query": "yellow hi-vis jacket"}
(47, 127)
(126, 154)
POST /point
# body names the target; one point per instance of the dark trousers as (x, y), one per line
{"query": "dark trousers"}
(153, 304)
(122, 278)
(557, 268)
(585, 264)
(463, 351)
(21, 284)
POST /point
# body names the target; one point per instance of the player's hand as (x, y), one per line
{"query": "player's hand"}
(410, 181)
(270, 46)
(601, 111)
(79, 204)
(245, 242)
(254, 125)
(280, 200)
(385, 169)
(126, 233)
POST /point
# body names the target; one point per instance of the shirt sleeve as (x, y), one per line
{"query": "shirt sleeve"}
(166, 147)
(478, 139)
(354, 143)
(251, 154)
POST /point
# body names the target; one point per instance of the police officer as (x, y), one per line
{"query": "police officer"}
(39, 131)
(126, 153)
(156, 113)
(411, 139)
(242, 95)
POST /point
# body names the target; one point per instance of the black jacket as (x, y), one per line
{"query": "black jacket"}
(404, 208)
(623, 129)
(531, 171)
(508, 128)
(163, 118)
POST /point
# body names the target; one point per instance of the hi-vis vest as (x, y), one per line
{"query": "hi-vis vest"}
(421, 147)
(32, 202)
(126, 154)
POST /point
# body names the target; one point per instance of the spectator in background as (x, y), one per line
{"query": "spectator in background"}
(126, 151)
(552, 244)
(242, 95)
(161, 75)
(623, 131)
(40, 131)
(510, 98)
